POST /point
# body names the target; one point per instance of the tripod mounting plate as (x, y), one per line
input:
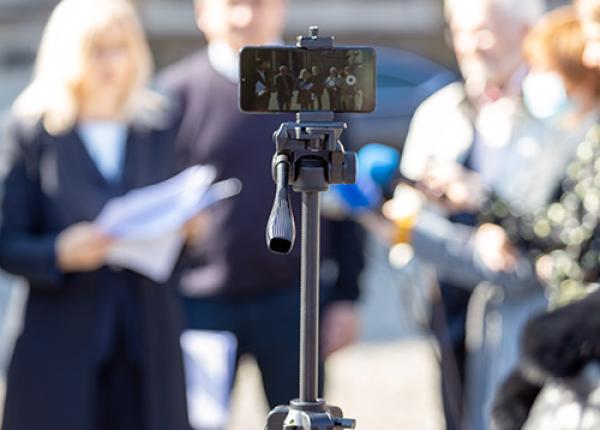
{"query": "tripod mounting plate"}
(313, 40)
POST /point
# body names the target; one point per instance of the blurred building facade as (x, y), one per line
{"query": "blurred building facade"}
(413, 24)
(416, 25)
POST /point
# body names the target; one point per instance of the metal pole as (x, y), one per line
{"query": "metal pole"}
(309, 301)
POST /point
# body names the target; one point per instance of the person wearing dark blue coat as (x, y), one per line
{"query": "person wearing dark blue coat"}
(99, 347)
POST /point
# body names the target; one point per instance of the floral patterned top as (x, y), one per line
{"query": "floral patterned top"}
(565, 234)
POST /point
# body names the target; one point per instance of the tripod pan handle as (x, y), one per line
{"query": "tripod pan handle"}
(281, 229)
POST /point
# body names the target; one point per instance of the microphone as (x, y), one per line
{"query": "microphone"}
(380, 162)
(378, 166)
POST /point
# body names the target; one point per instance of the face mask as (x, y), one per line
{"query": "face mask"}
(545, 96)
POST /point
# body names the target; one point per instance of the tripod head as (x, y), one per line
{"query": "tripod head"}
(309, 157)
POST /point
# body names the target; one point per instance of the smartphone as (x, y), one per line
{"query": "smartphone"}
(291, 79)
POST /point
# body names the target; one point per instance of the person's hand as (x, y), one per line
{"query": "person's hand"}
(544, 267)
(437, 177)
(451, 186)
(494, 248)
(81, 248)
(339, 327)
(378, 225)
(196, 228)
(462, 195)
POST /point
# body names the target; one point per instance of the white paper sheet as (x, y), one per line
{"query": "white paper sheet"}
(154, 257)
(209, 360)
(154, 210)
(146, 222)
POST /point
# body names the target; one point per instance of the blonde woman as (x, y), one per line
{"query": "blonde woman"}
(99, 347)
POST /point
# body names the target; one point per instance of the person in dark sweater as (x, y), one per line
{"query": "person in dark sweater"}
(348, 89)
(333, 83)
(318, 86)
(231, 281)
(284, 83)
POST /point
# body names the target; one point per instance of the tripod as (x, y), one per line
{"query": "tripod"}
(309, 157)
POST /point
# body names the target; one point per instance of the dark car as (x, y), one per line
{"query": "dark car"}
(404, 81)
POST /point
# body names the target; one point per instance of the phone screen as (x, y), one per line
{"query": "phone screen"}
(290, 79)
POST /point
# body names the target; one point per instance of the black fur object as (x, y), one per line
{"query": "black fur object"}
(555, 344)
(560, 343)
(513, 402)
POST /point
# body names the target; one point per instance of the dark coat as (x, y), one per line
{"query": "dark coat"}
(74, 322)
(304, 93)
(262, 100)
(284, 85)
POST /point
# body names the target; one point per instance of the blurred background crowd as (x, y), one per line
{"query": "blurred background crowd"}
(459, 274)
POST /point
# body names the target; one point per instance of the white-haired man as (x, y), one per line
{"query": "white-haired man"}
(480, 129)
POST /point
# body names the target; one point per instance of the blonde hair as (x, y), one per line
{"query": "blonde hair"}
(591, 8)
(63, 55)
(557, 41)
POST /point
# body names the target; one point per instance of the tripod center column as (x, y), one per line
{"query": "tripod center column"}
(309, 310)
